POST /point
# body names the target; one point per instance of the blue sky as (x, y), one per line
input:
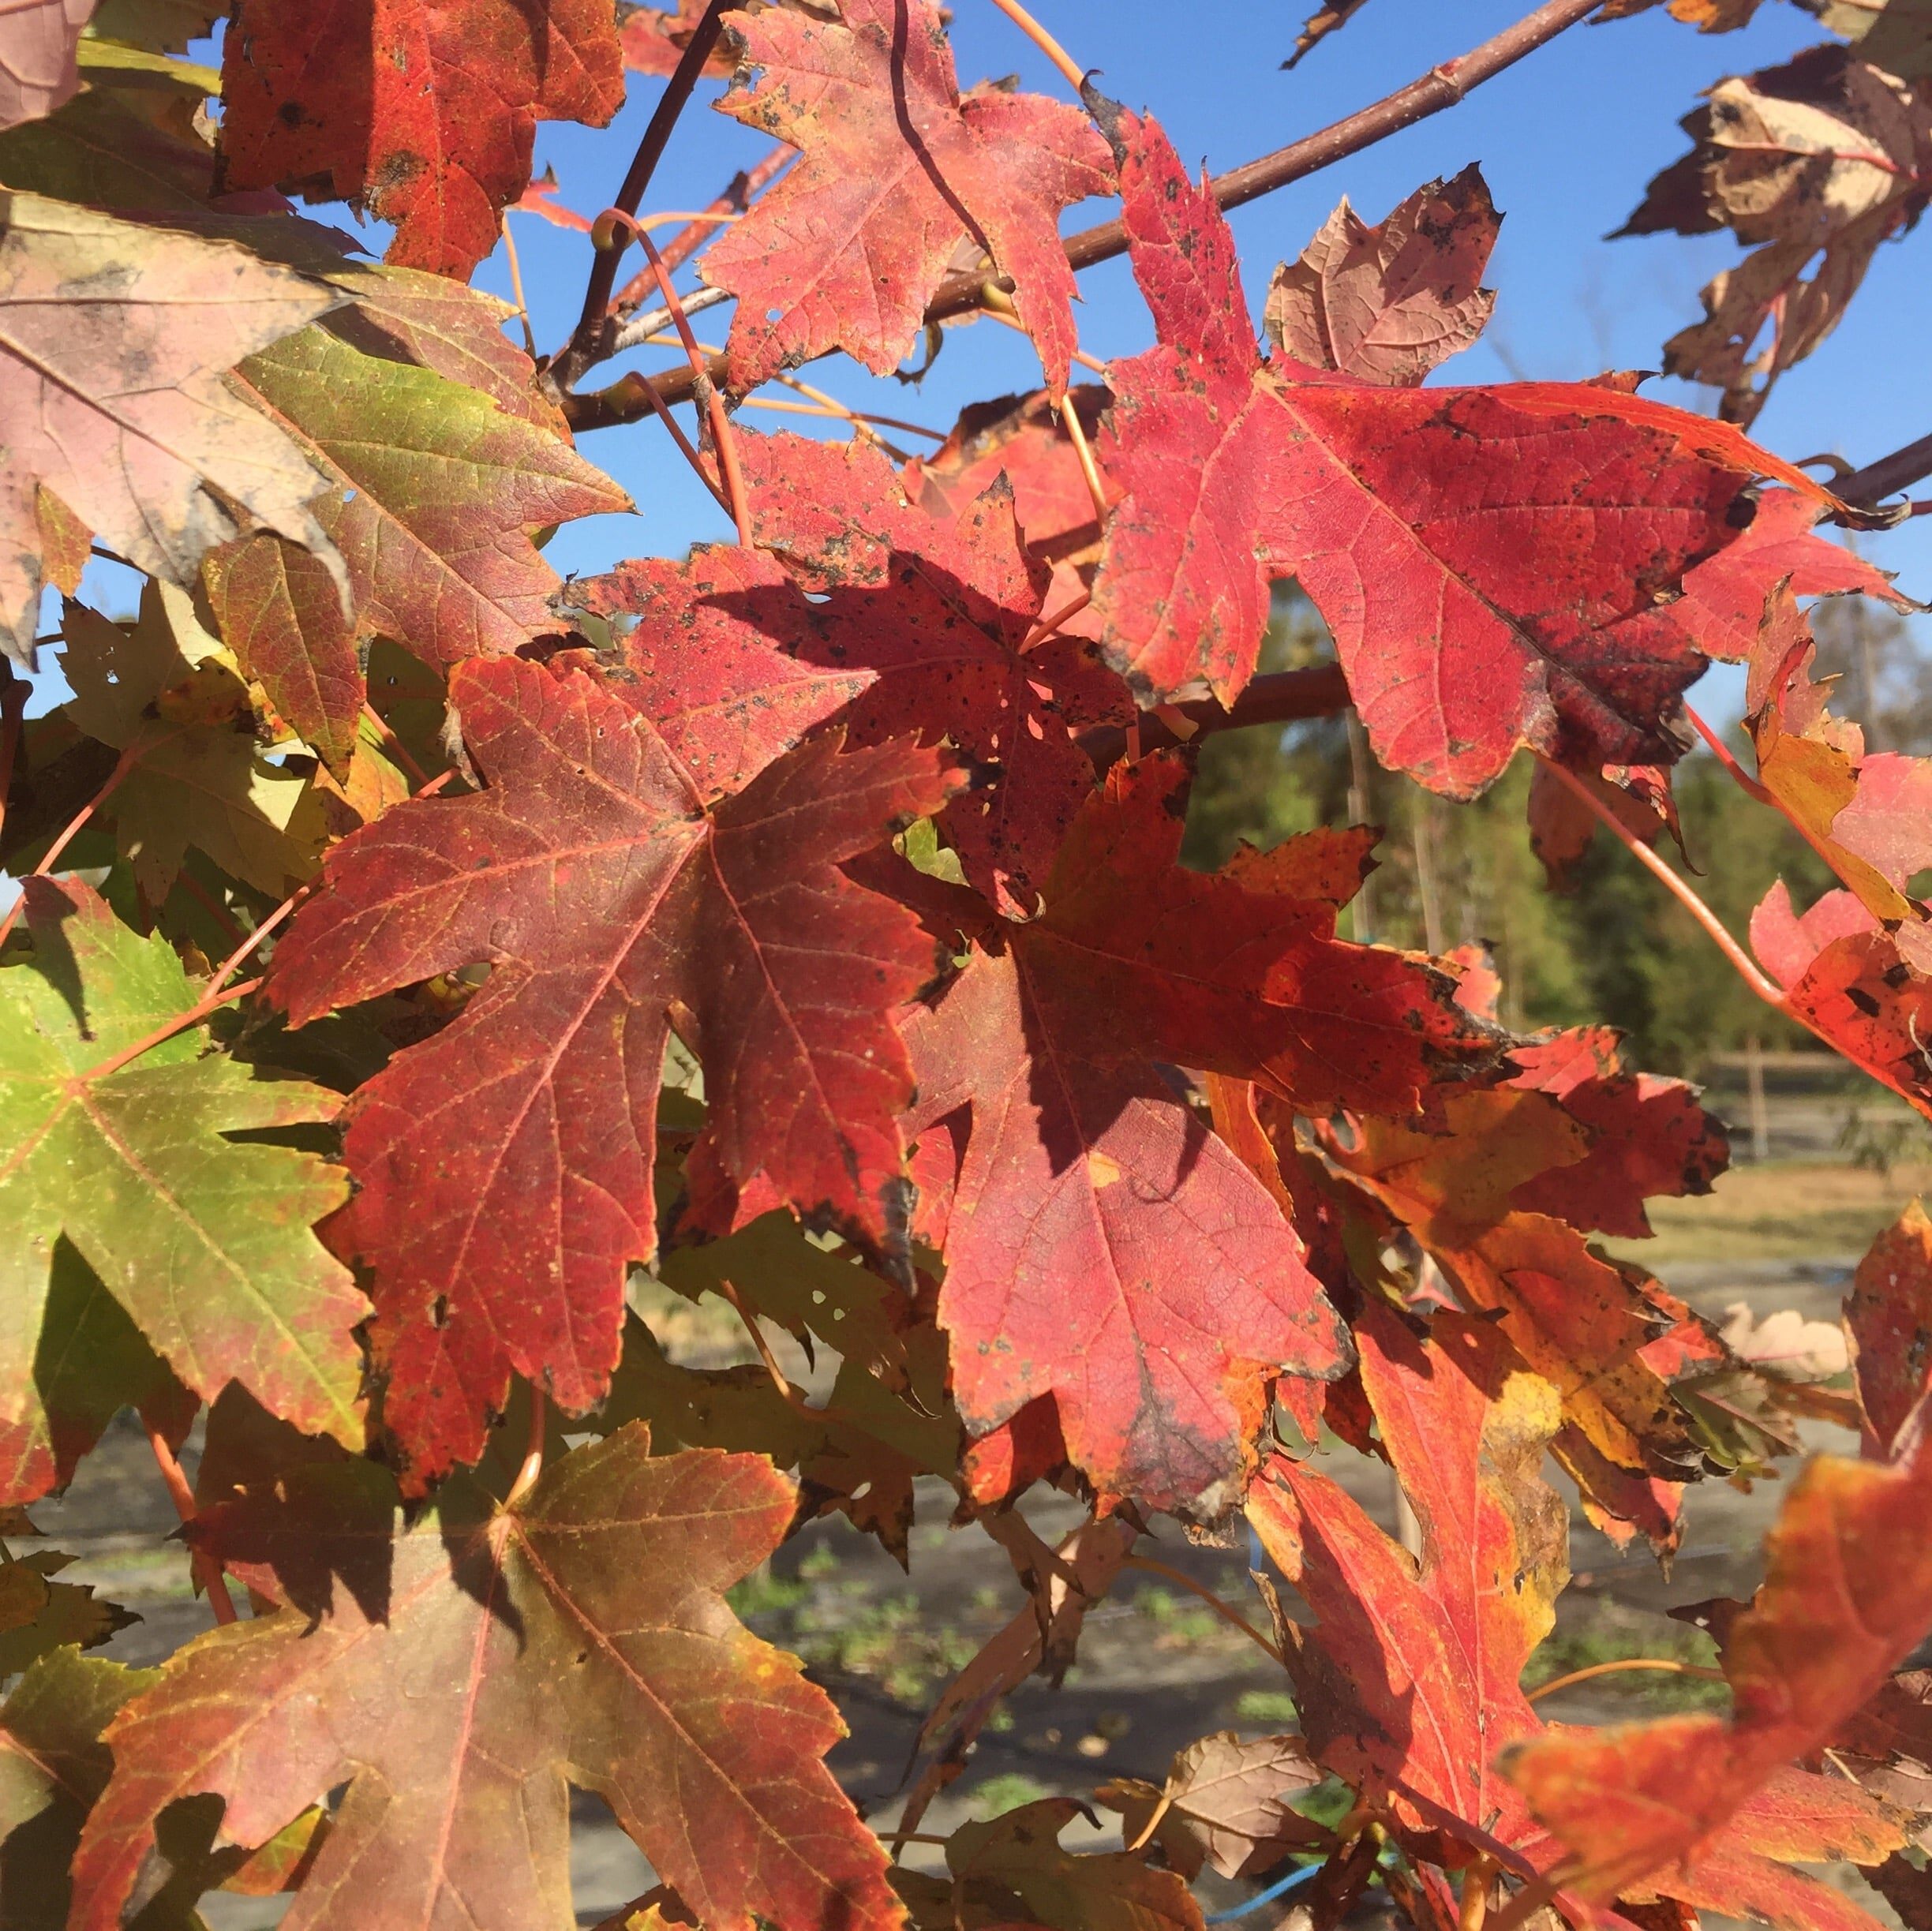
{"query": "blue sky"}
(1567, 139)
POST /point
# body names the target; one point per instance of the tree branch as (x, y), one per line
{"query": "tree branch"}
(1281, 697)
(579, 353)
(1887, 476)
(1441, 86)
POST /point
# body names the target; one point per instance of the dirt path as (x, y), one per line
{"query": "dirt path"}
(1156, 1669)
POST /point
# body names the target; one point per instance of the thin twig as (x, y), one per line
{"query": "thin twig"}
(790, 1395)
(1154, 1566)
(1887, 475)
(1679, 888)
(1442, 87)
(569, 364)
(1668, 1664)
(1083, 450)
(1279, 698)
(206, 1568)
(1072, 72)
(516, 287)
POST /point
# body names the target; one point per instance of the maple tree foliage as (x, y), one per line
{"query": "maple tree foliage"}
(430, 969)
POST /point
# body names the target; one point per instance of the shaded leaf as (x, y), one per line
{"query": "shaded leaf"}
(159, 686)
(53, 1765)
(1228, 1803)
(582, 1633)
(1408, 1683)
(37, 69)
(1889, 1315)
(1825, 153)
(1018, 1855)
(437, 493)
(1848, 1592)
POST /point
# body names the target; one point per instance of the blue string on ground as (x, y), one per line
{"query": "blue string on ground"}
(1280, 1886)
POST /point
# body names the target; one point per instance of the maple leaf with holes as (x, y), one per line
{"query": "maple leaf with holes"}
(898, 172)
(610, 905)
(580, 1635)
(424, 116)
(1496, 563)
(1102, 1246)
(894, 621)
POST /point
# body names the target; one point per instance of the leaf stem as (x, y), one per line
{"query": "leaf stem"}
(206, 1568)
(392, 743)
(1668, 1664)
(1047, 626)
(790, 1395)
(532, 1470)
(1154, 1566)
(516, 286)
(1074, 75)
(572, 360)
(1887, 474)
(1153, 1823)
(1090, 469)
(724, 445)
(1679, 888)
(1722, 752)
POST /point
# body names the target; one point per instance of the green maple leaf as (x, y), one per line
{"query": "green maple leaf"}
(204, 1241)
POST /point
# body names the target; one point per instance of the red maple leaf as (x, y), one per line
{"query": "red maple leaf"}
(914, 624)
(1409, 1683)
(505, 1165)
(899, 171)
(1102, 1246)
(426, 116)
(1496, 563)
(1647, 1135)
